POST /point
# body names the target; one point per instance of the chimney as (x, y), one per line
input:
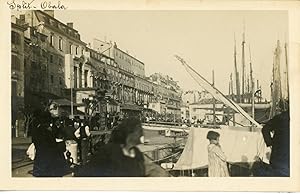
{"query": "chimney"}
(50, 12)
(22, 18)
(70, 24)
(13, 19)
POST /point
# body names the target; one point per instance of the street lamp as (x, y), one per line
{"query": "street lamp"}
(71, 91)
(72, 111)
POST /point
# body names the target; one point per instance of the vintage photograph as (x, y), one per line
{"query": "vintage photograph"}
(150, 93)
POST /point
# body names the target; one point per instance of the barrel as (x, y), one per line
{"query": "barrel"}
(72, 147)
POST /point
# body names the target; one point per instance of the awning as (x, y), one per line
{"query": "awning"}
(130, 107)
(113, 102)
(63, 102)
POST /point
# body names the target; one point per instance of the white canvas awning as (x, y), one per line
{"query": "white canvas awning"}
(238, 145)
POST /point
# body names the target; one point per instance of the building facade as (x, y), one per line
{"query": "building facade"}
(59, 65)
(17, 73)
(60, 39)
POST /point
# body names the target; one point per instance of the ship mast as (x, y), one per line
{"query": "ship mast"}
(237, 83)
(276, 82)
(243, 65)
(231, 87)
(286, 70)
(217, 94)
(214, 100)
(252, 86)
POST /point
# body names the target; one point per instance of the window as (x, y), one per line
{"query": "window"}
(51, 40)
(75, 77)
(15, 62)
(14, 88)
(51, 58)
(60, 43)
(43, 38)
(15, 38)
(60, 81)
(52, 79)
(70, 48)
(76, 51)
(60, 61)
(46, 19)
(85, 78)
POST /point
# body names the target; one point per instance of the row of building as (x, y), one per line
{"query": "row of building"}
(50, 61)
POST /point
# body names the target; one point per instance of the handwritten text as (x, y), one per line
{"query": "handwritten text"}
(27, 5)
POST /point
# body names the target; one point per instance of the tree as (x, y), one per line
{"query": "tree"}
(92, 104)
(29, 117)
(28, 112)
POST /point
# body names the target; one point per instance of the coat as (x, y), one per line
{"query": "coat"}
(109, 161)
(280, 142)
(49, 161)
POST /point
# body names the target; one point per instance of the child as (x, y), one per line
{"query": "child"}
(217, 166)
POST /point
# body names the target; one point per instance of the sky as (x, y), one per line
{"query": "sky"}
(205, 39)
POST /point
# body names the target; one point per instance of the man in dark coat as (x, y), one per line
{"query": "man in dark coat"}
(69, 130)
(276, 133)
(47, 159)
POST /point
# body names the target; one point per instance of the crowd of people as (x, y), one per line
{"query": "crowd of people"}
(119, 157)
(50, 137)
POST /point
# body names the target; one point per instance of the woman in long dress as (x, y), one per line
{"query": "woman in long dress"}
(217, 165)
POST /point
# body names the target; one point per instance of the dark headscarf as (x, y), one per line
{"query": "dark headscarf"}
(126, 127)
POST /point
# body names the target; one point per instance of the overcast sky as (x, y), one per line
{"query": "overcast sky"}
(205, 39)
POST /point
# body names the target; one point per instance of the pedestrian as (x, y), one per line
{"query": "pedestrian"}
(217, 164)
(83, 138)
(121, 157)
(276, 133)
(46, 147)
(85, 135)
(69, 130)
(59, 161)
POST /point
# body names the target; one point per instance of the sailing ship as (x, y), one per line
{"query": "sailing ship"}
(246, 93)
(280, 81)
